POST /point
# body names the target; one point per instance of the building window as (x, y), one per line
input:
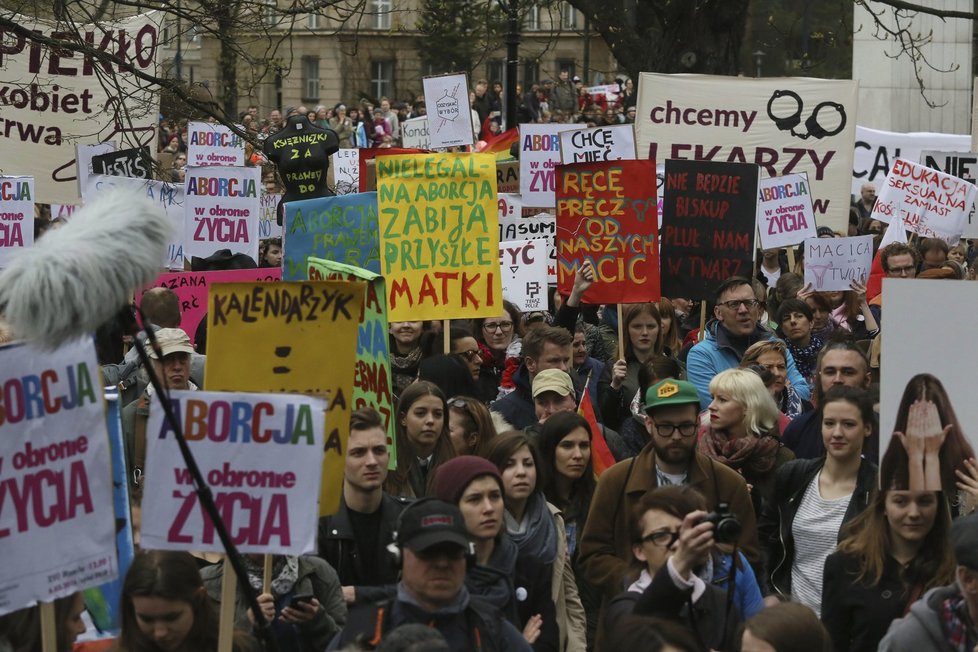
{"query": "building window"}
(269, 13)
(496, 70)
(533, 18)
(381, 11)
(310, 79)
(313, 21)
(382, 78)
(568, 16)
(531, 74)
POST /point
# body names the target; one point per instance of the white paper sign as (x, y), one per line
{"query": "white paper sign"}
(222, 208)
(414, 133)
(449, 114)
(57, 522)
(963, 165)
(83, 162)
(784, 211)
(875, 151)
(169, 196)
(261, 455)
(209, 143)
(539, 155)
(614, 143)
(833, 263)
(523, 272)
(928, 202)
(16, 216)
(63, 211)
(510, 205)
(541, 227)
(346, 171)
(268, 218)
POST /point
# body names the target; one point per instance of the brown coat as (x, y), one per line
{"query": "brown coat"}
(606, 545)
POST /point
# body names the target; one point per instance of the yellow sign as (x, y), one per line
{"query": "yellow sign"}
(290, 337)
(439, 236)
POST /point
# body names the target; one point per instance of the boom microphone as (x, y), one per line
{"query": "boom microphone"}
(78, 276)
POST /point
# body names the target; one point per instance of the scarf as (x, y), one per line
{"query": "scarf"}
(954, 618)
(748, 455)
(285, 573)
(494, 581)
(805, 356)
(404, 368)
(537, 534)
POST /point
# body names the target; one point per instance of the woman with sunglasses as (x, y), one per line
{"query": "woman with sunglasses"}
(466, 348)
(469, 426)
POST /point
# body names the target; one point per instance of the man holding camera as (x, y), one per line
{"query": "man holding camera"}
(672, 410)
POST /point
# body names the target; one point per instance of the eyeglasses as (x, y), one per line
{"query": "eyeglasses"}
(661, 538)
(685, 429)
(900, 271)
(493, 326)
(470, 354)
(737, 304)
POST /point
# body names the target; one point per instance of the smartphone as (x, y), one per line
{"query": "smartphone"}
(303, 598)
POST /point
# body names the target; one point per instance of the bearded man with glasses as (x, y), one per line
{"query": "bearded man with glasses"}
(729, 334)
(671, 408)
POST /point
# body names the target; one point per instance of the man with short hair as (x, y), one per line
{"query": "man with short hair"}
(354, 540)
(867, 199)
(433, 549)
(547, 347)
(840, 362)
(898, 260)
(944, 620)
(553, 391)
(728, 335)
(564, 95)
(672, 409)
(482, 105)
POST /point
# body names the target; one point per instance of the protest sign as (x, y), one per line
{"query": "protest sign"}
(608, 91)
(523, 271)
(539, 155)
(371, 381)
(368, 163)
(832, 264)
(63, 211)
(83, 162)
(221, 208)
(346, 170)
(191, 289)
(612, 143)
(449, 114)
(876, 150)
(135, 162)
(342, 228)
(708, 225)
(103, 602)
(542, 227)
(169, 196)
(784, 211)
(929, 364)
(57, 527)
(927, 202)
(258, 453)
(508, 177)
(439, 236)
(290, 337)
(59, 97)
(510, 206)
(268, 216)
(414, 133)
(963, 165)
(209, 143)
(16, 216)
(784, 125)
(606, 215)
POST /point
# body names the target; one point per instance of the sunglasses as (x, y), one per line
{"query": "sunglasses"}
(469, 355)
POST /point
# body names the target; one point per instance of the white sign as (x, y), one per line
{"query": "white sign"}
(608, 91)
(784, 211)
(876, 150)
(169, 196)
(449, 114)
(63, 211)
(57, 98)
(414, 133)
(16, 216)
(523, 272)
(539, 227)
(784, 125)
(268, 217)
(83, 162)
(614, 143)
(209, 143)
(57, 522)
(222, 208)
(928, 202)
(539, 155)
(510, 205)
(832, 264)
(262, 457)
(346, 171)
(963, 165)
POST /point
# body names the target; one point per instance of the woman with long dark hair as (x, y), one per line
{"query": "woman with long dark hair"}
(891, 554)
(423, 442)
(642, 327)
(20, 631)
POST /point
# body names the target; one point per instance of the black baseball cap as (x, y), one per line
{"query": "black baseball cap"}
(431, 522)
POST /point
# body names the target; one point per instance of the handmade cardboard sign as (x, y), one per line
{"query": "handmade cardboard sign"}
(523, 269)
(341, 228)
(784, 211)
(209, 143)
(832, 264)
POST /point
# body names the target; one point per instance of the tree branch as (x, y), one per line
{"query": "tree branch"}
(931, 11)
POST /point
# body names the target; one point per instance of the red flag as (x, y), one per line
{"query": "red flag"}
(601, 457)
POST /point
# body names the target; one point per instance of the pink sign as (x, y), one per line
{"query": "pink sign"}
(191, 287)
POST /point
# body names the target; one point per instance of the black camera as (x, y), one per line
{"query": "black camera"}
(726, 527)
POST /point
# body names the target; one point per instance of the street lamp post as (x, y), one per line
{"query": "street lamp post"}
(512, 9)
(758, 59)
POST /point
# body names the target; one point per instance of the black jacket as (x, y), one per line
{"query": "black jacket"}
(339, 547)
(774, 527)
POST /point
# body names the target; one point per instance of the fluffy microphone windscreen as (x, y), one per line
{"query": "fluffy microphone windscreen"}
(78, 276)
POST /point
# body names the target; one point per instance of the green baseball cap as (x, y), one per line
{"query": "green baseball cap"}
(670, 392)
